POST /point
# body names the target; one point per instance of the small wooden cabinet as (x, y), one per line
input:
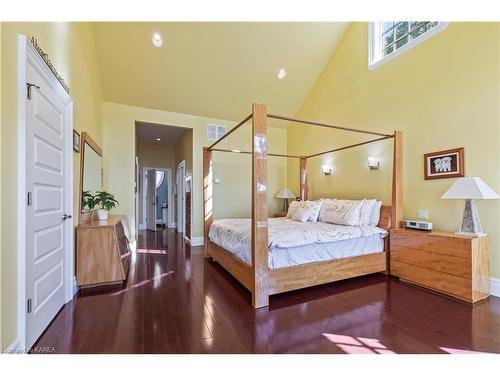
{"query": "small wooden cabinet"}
(444, 262)
(102, 252)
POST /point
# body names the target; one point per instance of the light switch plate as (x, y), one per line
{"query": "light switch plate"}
(422, 214)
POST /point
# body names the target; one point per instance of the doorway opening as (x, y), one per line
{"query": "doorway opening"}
(160, 149)
(157, 198)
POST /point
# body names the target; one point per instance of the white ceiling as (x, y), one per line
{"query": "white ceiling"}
(148, 133)
(214, 69)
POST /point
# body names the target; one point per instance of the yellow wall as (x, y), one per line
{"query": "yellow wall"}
(443, 93)
(72, 50)
(155, 155)
(184, 151)
(119, 161)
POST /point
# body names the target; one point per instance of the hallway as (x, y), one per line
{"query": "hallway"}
(175, 301)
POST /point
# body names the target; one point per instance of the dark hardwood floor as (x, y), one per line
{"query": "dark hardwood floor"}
(175, 301)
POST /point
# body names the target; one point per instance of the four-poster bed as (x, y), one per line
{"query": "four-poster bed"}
(258, 277)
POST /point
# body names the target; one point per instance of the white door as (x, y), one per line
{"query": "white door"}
(47, 219)
(151, 199)
(180, 196)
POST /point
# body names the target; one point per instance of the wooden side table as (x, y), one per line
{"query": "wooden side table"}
(445, 262)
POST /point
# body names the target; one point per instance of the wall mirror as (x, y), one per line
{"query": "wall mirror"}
(91, 173)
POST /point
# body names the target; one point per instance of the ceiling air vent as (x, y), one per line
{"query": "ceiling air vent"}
(214, 132)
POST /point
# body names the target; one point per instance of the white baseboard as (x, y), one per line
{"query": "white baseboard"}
(132, 246)
(495, 287)
(75, 286)
(172, 226)
(195, 241)
(14, 348)
(142, 226)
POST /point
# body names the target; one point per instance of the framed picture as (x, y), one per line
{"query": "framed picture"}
(76, 141)
(444, 164)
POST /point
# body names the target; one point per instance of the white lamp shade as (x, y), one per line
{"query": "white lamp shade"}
(470, 188)
(285, 194)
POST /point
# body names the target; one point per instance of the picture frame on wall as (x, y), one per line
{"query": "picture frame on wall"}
(76, 141)
(444, 164)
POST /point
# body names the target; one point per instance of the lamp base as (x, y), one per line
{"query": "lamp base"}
(285, 205)
(471, 225)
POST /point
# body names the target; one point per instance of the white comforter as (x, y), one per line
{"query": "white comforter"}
(234, 234)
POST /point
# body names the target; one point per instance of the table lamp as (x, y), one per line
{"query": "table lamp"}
(470, 188)
(285, 194)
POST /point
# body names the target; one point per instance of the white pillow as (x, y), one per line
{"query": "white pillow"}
(314, 206)
(302, 214)
(376, 213)
(367, 211)
(341, 211)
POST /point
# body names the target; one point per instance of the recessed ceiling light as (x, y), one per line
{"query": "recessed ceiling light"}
(158, 139)
(281, 73)
(157, 40)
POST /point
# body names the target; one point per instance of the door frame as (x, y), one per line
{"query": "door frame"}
(27, 53)
(181, 199)
(170, 211)
(188, 180)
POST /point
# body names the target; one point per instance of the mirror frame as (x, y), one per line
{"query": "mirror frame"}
(86, 138)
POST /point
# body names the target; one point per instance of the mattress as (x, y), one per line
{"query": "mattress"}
(293, 243)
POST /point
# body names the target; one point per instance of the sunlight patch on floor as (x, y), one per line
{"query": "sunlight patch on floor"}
(358, 345)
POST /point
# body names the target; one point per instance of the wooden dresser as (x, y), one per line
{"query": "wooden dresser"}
(102, 252)
(444, 262)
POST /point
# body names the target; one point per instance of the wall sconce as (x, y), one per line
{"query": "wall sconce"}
(326, 169)
(373, 162)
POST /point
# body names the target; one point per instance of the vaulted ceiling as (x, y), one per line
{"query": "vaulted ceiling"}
(213, 69)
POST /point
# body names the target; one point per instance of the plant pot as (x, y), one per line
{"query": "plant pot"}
(102, 215)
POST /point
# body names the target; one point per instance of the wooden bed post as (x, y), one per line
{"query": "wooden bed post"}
(207, 196)
(303, 179)
(397, 181)
(260, 293)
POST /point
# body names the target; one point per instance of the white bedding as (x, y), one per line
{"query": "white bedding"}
(292, 242)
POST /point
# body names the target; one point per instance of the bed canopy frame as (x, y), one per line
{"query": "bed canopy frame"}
(257, 277)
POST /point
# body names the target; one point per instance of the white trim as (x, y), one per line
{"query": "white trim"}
(495, 287)
(21, 185)
(195, 241)
(373, 40)
(172, 225)
(26, 52)
(14, 348)
(75, 286)
(142, 226)
(181, 209)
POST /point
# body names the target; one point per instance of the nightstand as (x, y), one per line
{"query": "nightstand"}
(279, 214)
(445, 262)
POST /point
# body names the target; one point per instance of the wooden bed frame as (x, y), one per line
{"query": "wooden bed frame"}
(257, 277)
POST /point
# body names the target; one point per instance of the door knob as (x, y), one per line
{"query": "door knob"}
(66, 217)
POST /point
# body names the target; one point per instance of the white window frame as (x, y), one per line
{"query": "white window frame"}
(374, 50)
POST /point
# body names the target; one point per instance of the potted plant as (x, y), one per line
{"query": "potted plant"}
(88, 201)
(107, 202)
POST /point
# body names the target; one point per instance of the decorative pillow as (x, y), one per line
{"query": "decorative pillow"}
(341, 211)
(302, 214)
(376, 213)
(367, 211)
(314, 206)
